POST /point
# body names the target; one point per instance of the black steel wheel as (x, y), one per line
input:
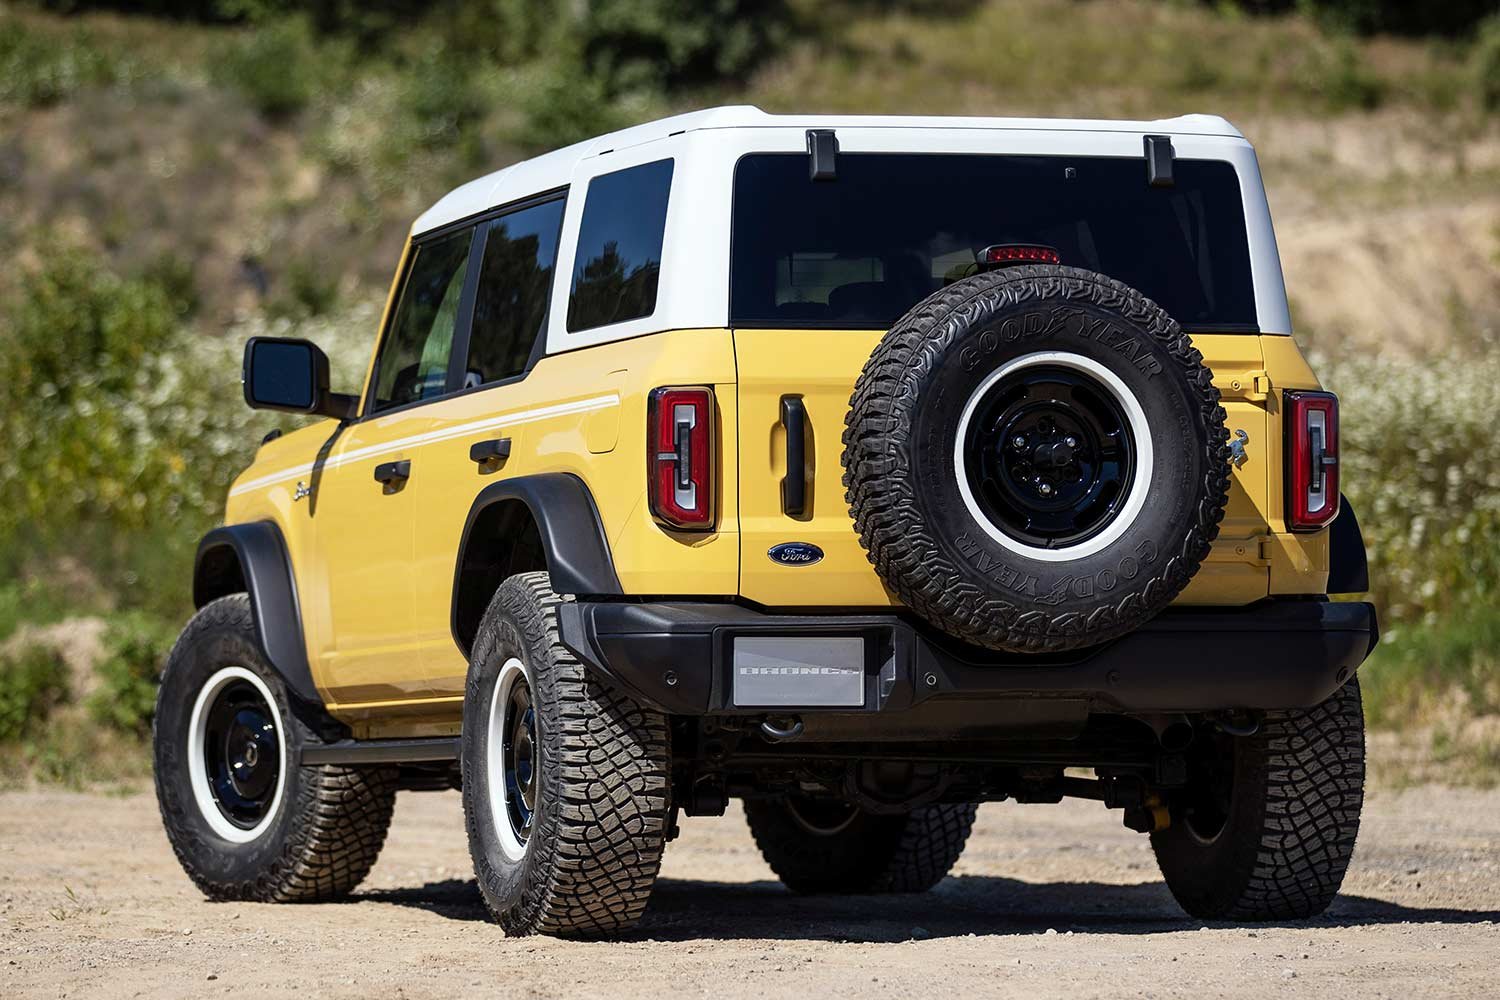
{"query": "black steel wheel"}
(242, 754)
(1049, 455)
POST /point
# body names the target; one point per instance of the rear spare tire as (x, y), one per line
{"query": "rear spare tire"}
(1035, 459)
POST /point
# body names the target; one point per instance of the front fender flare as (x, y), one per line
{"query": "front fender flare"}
(264, 570)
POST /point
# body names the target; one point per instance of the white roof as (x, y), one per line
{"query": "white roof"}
(551, 170)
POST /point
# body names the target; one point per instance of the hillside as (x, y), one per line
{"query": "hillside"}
(153, 140)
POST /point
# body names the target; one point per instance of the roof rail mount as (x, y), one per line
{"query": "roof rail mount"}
(1159, 160)
(823, 147)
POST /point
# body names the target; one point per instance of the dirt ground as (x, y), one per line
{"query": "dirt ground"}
(1047, 900)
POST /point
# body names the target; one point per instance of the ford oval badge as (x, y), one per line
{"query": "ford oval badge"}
(795, 553)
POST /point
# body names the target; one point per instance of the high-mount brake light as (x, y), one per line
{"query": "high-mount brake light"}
(1312, 458)
(1019, 253)
(680, 457)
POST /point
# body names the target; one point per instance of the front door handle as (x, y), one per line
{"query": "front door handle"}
(393, 474)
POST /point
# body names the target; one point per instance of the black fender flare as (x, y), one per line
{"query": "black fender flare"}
(572, 534)
(253, 558)
(1348, 567)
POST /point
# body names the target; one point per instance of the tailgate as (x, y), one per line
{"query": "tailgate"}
(818, 368)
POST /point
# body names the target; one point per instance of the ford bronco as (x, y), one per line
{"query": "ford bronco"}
(863, 469)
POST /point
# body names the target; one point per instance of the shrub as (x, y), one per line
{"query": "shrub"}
(1449, 17)
(274, 65)
(1422, 468)
(1487, 64)
(33, 681)
(135, 648)
(561, 103)
(39, 68)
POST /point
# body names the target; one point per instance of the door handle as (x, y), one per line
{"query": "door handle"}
(393, 474)
(794, 486)
(489, 455)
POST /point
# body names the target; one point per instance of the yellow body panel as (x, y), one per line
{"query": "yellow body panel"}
(375, 568)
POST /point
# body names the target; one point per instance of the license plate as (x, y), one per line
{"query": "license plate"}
(786, 672)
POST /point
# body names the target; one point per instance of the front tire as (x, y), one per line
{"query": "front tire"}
(1267, 826)
(245, 820)
(566, 781)
(815, 846)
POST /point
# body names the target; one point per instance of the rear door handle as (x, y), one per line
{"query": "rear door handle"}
(389, 474)
(794, 486)
(489, 454)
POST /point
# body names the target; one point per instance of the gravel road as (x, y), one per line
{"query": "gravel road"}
(1047, 900)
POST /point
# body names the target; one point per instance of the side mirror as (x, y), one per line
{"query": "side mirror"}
(292, 376)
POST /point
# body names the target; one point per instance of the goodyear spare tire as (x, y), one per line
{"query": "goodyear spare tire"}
(1035, 459)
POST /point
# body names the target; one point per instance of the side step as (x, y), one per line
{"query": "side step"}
(437, 748)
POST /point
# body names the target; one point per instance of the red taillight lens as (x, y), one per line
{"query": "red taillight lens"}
(680, 457)
(1019, 253)
(1312, 460)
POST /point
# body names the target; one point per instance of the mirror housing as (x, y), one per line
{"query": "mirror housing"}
(281, 373)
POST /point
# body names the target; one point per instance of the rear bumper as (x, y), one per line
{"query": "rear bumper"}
(678, 658)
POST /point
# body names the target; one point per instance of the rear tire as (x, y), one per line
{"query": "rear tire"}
(566, 781)
(1267, 828)
(246, 821)
(817, 847)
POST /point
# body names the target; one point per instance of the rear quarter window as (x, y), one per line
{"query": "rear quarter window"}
(617, 270)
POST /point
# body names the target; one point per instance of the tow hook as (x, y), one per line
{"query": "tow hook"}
(780, 728)
(1151, 816)
(1237, 723)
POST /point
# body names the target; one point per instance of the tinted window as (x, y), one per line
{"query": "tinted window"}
(413, 363)
(619, 246)
(861, 250)
(510, 307)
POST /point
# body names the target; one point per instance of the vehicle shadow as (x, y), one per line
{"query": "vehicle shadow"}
(689, 910)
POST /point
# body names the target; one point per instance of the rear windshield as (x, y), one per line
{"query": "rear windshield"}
(858, 251)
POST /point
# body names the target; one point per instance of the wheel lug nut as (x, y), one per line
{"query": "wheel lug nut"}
(1018, 442)
(1070, 441)
(1045, 489)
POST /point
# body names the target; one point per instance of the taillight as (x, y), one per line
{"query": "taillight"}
(1312, 460)
(680, 457)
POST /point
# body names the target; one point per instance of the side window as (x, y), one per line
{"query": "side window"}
(413, 362)
(515, 277)
(618, 266)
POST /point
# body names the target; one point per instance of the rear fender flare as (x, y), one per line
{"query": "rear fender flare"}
(1348, 567)
(570, 529)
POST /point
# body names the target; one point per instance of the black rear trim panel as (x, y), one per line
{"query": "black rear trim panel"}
(1273, 655)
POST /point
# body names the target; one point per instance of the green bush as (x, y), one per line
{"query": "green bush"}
(33, 681)
(135, 648)
(1338, 75)
(41, 68)
(123, 427)
(1411, 17)
(661, 44)
(561, 103)
(275, 66)
(1421, 464)
(1486, 62)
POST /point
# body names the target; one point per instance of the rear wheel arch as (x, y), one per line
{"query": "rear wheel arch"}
(545, 522)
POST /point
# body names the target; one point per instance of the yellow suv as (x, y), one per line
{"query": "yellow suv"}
(860, 468)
